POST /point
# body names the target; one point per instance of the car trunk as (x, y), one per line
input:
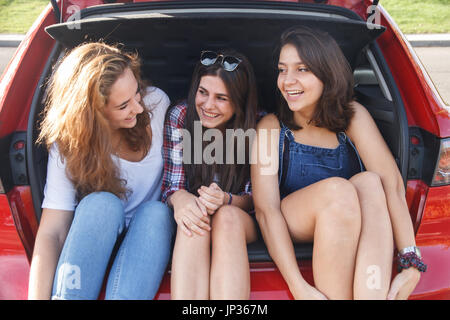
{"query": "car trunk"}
(170, 36)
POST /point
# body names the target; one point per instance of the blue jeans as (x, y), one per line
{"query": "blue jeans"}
(98, 237)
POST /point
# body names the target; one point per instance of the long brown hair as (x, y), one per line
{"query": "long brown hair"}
(322, 55)
(242, 90)
(74, 119)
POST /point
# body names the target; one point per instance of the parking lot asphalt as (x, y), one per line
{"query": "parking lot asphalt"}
(437, 63)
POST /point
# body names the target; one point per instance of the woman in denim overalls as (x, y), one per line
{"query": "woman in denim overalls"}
(317, 146)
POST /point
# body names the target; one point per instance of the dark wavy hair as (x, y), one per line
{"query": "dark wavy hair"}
(242, 91)
(322, 55)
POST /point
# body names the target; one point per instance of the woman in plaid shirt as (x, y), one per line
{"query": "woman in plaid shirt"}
(209, 188)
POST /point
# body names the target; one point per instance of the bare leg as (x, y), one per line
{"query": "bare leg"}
(328, 213)
(375, 249)
(190, 266)
(232, 229)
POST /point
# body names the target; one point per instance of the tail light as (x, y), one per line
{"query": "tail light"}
(441, 174)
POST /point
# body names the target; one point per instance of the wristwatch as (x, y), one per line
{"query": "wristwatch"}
(411, 249)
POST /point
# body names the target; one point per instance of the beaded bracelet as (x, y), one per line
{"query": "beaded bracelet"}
(230, 198)
(408, 260)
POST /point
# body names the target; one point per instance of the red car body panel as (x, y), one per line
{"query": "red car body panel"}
(429, 206)
(433, 238)
(21, 76)
(424, 107)
(14, 264)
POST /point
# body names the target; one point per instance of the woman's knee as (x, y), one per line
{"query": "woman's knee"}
(373, 198)
(155, 215)
(156, 210)
(341, 194)
(185, 244)
(370, 189)
(367, 180)
(331, 202)
(342, 205)
(227, 220)
(101, 200)
(101, 208)
(337, 187)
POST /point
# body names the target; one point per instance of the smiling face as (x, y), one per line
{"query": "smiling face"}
(213, 103)
(299, 86)
(124, 102)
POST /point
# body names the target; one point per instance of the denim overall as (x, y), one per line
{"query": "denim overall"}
(302, 165)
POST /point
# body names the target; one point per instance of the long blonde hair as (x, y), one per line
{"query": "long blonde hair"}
(73, 117)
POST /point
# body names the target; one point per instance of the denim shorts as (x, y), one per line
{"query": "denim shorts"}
(302, 165)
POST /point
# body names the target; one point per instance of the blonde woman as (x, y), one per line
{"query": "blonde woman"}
(101, 213)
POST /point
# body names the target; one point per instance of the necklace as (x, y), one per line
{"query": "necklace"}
(117, 149)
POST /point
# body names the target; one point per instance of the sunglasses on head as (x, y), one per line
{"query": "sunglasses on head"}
(229, 63)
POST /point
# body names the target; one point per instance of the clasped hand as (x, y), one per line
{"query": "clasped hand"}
(192, 213)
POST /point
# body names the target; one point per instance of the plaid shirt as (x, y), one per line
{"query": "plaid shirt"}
(174, 177)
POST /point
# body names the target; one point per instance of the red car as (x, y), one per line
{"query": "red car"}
(390, 82)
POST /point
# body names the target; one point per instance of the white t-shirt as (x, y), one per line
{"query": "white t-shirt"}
(143, 178)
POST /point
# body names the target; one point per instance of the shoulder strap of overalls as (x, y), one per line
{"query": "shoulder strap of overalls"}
(283, 160)
(346, 139)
